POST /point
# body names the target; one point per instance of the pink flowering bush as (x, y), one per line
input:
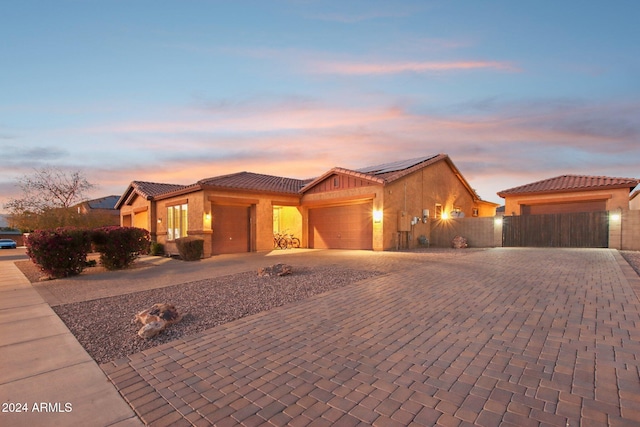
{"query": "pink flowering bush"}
(61, 252)
(120, 246)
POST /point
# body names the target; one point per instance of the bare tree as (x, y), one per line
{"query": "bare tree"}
(47, 195)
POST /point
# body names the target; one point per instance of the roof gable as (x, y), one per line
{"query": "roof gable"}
(571, 183)
(146, 190)
(382, 173)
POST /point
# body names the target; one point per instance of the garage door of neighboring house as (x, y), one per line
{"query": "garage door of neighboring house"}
(231, 229)
(341, 227)
(565, 230)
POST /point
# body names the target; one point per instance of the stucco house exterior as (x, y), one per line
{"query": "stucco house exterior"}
(376, 208)
(634, 200)
(569, 193)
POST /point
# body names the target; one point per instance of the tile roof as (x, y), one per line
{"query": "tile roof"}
(153, 189)
(104, 202)
(383, 173)
(255, 181)
(566, 183)
(147, 190)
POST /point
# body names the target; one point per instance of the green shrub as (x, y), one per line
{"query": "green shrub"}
(156, 249)
(120, 246)
(190, 248)
(61, 252)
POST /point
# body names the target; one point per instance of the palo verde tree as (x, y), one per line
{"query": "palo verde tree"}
(47, 197)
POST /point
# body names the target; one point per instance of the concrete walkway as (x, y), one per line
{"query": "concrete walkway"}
(44, 372)
(499, 337)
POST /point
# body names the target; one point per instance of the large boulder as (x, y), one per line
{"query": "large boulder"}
(275, 270)
(155, 319)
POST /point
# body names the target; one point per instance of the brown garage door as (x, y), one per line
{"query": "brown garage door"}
(341, 227)
(230, 229)
(567, 207)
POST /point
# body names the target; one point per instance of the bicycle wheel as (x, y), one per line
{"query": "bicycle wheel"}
(282, 243)
(295, 242)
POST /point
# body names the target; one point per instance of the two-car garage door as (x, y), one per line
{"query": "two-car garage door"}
(341, 227)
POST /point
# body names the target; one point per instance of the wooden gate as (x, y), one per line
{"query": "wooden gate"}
(566, 230)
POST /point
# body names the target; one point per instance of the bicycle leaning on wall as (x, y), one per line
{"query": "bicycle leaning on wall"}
(285, 241)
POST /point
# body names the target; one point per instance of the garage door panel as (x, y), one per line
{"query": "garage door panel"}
(341, 227)
(567, 207)
(230, 229)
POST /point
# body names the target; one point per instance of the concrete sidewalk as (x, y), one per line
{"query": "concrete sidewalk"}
(44, 372)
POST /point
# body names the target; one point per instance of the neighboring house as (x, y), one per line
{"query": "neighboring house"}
(569, 193)
(377, 208)
(634, 200)
(102, 211)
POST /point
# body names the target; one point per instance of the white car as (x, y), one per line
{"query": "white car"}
(8, 244)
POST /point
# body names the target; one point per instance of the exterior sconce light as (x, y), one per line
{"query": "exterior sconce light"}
(207, 217)
(615, 217)
(377, 216)
(445, 215)
(497, 221)
(159, 220)
(425, 215)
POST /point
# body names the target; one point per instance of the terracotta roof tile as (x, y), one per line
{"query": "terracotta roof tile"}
(153, 189)
(565, 183)
(255, 181)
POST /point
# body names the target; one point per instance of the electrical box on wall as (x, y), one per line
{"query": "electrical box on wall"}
(404, 221)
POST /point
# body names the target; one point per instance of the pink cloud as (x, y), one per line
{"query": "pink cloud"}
(363, 68)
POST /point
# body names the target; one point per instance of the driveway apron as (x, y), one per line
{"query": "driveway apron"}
(499, 337)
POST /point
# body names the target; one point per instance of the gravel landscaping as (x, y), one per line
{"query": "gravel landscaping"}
(106, 329)
(633, 258)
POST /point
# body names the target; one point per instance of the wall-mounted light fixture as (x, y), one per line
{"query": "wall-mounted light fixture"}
(497, 221)
(377, 216)
(207, 217)
(159, 220)
(425, 215)
(445, 215)
(615, 217)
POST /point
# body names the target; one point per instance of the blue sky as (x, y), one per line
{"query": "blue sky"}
(177, 91)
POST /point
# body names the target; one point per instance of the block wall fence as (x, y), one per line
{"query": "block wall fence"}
(486, 232)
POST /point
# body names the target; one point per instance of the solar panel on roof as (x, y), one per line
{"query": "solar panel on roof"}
(394, 166)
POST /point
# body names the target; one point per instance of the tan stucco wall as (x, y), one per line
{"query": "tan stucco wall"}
(137, 214)
(422, 190)
(616, 199)
(262, 214)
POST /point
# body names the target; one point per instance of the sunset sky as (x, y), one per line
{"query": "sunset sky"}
(177, 91)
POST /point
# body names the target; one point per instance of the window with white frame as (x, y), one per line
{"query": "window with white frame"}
(176, 221)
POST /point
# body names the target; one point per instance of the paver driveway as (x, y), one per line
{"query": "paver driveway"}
(496, 337)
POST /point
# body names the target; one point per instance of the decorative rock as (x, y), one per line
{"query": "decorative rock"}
(152, 329)
(275, 270)
(459, 242)
(156, 319)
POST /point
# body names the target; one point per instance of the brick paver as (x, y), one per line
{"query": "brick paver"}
(495, 337)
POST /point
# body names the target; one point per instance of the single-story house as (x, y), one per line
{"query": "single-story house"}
(377, 208)
(569, 193)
